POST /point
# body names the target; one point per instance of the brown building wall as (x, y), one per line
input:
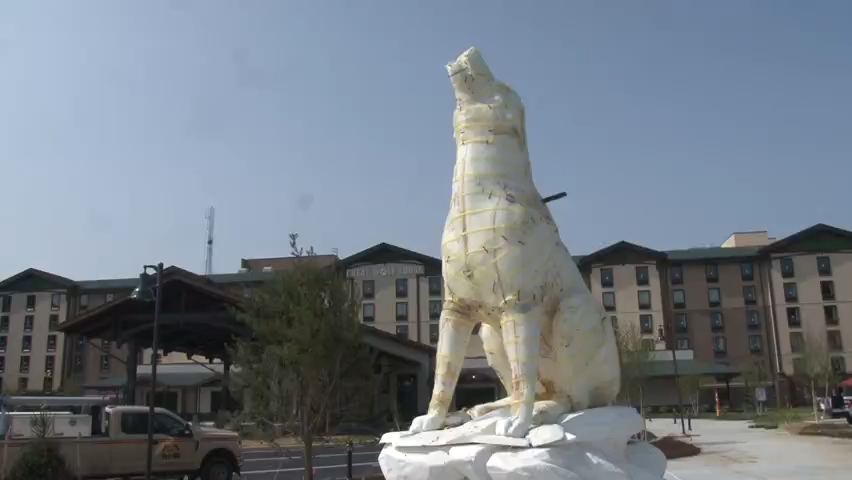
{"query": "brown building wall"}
(733, 307)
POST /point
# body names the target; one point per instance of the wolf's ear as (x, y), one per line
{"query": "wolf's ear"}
(469, 74)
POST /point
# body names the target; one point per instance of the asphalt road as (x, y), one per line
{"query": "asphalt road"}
(288, 464)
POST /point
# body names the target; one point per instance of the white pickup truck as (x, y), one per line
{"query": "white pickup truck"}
(115, 446)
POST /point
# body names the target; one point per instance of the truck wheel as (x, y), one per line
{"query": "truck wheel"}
(849, 417)
(217, 468)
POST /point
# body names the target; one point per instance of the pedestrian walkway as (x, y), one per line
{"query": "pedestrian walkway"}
(732, 451)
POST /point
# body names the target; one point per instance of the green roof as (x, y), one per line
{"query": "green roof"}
(165, 379)
(711, 253)
(691, 367)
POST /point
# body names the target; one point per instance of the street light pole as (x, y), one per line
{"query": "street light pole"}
(143, 292)
(677, 378)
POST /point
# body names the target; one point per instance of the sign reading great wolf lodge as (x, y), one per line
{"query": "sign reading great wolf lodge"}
(386, 270)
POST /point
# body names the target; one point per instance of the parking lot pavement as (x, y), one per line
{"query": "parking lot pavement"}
(288, 464)
(732, 451)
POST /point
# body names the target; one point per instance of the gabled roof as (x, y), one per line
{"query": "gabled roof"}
(818, 238)
(711, 253)
(620, 249)
(387, 253)
(47, 281)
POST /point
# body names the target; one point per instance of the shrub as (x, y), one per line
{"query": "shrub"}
(39, 460)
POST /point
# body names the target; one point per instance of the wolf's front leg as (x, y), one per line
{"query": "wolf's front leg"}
(452, 344)
(521, 326)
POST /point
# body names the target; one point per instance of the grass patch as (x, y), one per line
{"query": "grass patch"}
(833, 430)
(290, 442)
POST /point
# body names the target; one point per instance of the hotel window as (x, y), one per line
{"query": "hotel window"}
(368, 311)
(608, 299)
(711, 272)
(835, 340)
(644, 299)
(681, 323)
(52, 322)
(5, 303)
(55, 301)
(682, 343)
(826, 287)
(607, 280)
(646, 323)
(433, 334)
(642, 277)
(435, 287)
(110, 296)
(4, 343)
(49, 363)
(435, 307)
(402, 331)
(29, 320)
(753, 319)
(24, 366)
(747, 272)
(838, 365)
(679, 298)
(2, 364)
(51, 343)
(788, 268)
(401, 288)
(832, 317)
(749, 294)
(793, 317)
(24, 382)
(755, 343)
(791, 293)
(676, 274)
(824, 266)
(26, 343)
(720, 345)
(714, 296)
(717, 322)
(47, 383)
(797, 342)
(105, 345)
(84, 301)
(105, 363)
(31, 303)
(4, 323)
(401, 311)
(368, 289)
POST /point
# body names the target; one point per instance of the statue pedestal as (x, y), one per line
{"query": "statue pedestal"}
(593, 444)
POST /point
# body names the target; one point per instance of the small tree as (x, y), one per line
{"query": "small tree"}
(40, 457)
(306, 362)
(813, 366)
(690, 386)
(755, 374)
(635, 357)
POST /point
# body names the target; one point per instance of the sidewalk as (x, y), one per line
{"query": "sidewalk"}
(732, 451)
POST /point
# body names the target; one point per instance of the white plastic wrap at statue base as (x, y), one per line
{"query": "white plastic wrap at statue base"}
(592, 444)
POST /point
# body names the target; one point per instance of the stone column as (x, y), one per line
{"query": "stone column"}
(131, 368)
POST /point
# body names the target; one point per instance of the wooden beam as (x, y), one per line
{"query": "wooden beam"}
(181, 318)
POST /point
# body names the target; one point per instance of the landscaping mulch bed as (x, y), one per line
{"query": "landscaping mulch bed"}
(673, 447)
(833, 430)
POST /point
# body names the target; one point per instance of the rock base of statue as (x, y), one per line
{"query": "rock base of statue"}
(593, 444)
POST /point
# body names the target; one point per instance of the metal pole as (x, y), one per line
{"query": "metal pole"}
(677, 379)
(154, 347)
(349, 460)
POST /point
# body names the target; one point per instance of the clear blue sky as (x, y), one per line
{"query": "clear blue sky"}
(668, 123)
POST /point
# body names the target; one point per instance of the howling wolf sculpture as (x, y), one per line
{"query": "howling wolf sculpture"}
(504, 265)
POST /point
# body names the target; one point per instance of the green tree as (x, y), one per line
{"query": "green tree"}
(813, 367)
(40, 458)
(690, 392)
(635, 354)
(306, 362)
(755, 373)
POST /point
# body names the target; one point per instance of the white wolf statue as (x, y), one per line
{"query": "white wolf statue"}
(546, 337)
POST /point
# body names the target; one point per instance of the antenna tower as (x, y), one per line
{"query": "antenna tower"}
(208, 261)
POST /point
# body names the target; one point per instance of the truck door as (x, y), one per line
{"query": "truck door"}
(173, 450)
